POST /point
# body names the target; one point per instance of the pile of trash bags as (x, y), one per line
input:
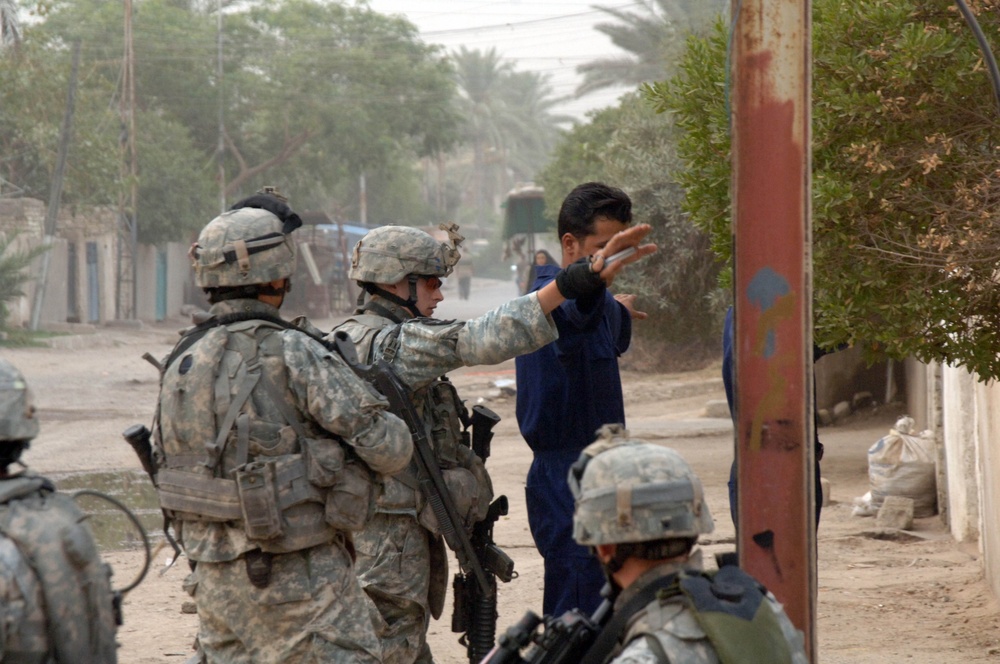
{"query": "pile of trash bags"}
(901, 464)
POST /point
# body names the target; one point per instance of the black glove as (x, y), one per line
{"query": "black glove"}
(289, 220)
(578, 280)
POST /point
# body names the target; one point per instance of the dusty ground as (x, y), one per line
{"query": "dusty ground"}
(922, 600)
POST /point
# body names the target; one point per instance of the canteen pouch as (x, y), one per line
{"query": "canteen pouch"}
(256, 486)
(324, 459)
(350, 502)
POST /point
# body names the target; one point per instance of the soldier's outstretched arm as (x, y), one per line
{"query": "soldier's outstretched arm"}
(345, 405)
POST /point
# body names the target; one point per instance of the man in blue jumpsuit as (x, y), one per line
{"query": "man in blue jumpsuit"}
(570, 388)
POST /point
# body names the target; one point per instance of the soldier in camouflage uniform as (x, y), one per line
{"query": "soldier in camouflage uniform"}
(265, 444)
(56, 603)
(641, 509)
(401, 560)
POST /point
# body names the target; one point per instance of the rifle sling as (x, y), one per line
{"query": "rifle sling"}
(607, 639)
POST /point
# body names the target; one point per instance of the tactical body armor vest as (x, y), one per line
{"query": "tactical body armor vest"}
(239, 469)
(447, 421)
(727, 609)
(68, 601)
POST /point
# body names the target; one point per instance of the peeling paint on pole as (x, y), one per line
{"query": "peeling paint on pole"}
(773, 341)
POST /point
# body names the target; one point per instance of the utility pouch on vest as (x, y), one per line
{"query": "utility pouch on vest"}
(464, 490)
(447, 430)
(257, 489)
(324, 459)
(350, 501)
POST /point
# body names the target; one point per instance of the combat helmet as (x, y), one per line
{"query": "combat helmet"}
(631, 491)
(17, 410)
(245, 246)
(390, 253)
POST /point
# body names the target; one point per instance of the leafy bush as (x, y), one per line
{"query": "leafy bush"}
(905, 150)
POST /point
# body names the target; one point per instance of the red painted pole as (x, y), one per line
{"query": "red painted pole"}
(773, 340)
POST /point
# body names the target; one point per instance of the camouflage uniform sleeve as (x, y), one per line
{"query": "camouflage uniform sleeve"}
(637, 652)
(430, 350)
(796, 640)
(345, 405)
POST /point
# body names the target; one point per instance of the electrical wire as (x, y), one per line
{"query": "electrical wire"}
(991, 62)
(138, 526)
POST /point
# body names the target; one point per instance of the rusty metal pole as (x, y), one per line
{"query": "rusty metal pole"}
(773, 302)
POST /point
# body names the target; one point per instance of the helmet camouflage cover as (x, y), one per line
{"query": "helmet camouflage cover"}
(243, 247)
(633, 491)
(17, 410)
(390, 253)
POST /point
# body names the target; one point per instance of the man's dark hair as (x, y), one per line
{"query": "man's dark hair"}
(590, 201)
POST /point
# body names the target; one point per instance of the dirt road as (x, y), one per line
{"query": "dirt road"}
(921, 600)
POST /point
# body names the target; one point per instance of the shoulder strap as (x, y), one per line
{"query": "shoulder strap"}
(198, 331)
(612, 631)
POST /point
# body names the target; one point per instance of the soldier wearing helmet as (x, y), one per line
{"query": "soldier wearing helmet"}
(401, 560)
(265, 443)
(640, 508)
(54, 589)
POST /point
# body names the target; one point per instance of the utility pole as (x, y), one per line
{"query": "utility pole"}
(771, 185)
(128, 239)
(55, 192)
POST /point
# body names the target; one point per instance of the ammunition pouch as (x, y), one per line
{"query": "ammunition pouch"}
(349, 483)
(464, 489)
(258, 493)
(275, 500)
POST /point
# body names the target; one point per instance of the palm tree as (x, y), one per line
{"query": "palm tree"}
(653, 37)
(479, 75)
(509, 121)
(10, 26)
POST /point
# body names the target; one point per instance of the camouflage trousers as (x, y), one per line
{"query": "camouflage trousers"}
(393, 563)
(313, 610)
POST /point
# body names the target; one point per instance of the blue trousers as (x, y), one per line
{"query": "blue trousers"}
(573, 577)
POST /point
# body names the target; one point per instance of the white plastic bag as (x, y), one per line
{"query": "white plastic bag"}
(902, 464)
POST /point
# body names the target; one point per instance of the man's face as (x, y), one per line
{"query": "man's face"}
(573, 248)
(428, 293)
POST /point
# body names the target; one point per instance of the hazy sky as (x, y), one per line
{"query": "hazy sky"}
(546, 36)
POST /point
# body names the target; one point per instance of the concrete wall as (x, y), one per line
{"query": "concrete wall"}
(965, 412)
(989, 490)
(963, 426)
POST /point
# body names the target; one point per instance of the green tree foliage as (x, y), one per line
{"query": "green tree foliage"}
(905, 150)
(633, 147)
(10, 26)
(652, 34)
(14, 263)
(508, 122)
(313, 96)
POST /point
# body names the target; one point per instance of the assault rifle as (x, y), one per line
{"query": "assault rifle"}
(563, 640)
(480, 559)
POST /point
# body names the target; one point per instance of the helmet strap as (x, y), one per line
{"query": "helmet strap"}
(268, 289)
(410, 305)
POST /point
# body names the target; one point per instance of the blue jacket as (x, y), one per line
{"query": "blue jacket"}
(571, 387)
